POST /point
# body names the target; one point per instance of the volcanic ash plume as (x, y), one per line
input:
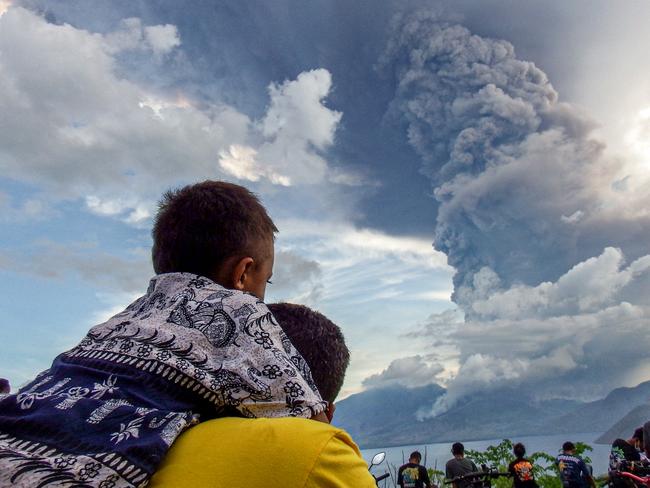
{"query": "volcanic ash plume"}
(526, 196)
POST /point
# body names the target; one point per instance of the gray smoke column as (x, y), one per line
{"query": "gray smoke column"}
(512, 167)
(549, 235)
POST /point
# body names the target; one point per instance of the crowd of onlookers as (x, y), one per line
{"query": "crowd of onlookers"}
(626, 455)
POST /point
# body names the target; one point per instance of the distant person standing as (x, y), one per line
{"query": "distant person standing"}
(5, 389)
(573, 470)
(413, 474)
(459, 465)
(521, 469)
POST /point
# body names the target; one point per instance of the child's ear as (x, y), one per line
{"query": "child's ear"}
(240, 272)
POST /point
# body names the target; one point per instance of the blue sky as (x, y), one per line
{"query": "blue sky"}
(460, 185)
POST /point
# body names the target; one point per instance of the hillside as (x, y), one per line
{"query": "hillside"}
(625, 426)
(600, 414)
(387, 417)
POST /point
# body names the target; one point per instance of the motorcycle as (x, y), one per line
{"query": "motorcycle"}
(630, 474)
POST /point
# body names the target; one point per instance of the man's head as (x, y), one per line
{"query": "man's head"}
(519, 450)
(218, 230)
(321, 344)
(457, 449)
(569, 447)
(415, 457)
(4, 386)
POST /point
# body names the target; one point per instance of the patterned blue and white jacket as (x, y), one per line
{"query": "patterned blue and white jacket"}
(107, 411)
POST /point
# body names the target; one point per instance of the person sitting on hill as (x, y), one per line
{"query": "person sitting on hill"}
(521, 469)
(627, 450)
(622, 456)
(287, 451)
(412, 474)
(574, 473)
(459, 465)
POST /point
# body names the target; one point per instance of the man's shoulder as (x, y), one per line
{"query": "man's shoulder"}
(300, 436)
(313, 448)
(569, 458)
(290, 430)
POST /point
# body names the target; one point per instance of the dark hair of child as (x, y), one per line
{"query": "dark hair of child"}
(199, 226)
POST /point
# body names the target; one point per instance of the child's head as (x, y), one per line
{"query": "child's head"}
(319, 341)
(218, 230)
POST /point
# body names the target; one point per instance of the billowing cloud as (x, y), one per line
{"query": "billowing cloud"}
(551, 339)
(410, 371)
(518, 177)
(296, 126)
(80, 129)
(528, 200)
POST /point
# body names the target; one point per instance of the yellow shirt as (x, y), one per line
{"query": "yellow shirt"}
(265, 453)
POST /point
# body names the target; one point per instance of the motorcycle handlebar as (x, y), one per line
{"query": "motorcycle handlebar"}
(476, 475)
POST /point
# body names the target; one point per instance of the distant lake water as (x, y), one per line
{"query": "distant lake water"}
(441, 453)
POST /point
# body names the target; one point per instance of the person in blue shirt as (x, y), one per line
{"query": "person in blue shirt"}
(574, 473)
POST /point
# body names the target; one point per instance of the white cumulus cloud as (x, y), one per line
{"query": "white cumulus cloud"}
(79, 129)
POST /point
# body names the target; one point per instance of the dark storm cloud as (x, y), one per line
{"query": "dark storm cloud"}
(229, 55)
(522, 184)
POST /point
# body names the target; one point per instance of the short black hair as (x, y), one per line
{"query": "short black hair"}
(519, 450)
(319, 341)
(638, 434)
(457, 448)
(199, 226)
(416, 455)
(568, 446)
